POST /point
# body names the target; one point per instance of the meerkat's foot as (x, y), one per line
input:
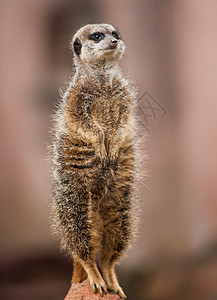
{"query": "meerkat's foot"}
(95, 279)
(117, 289)
(121, 293)
(112, 283)
(98, 286)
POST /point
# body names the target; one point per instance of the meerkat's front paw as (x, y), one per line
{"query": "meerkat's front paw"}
(112, 160)
(112, 157)
(113, 153)
(102, 154)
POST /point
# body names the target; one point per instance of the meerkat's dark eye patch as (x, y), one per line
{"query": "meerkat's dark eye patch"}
(77, 46)
(116, 35)
(96, 36)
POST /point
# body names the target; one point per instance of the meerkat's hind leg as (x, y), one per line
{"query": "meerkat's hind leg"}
(79, 274)
(108, 270)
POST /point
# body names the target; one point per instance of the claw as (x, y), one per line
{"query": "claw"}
(104, 290)
(117, 291)
(121, 294)
(112, 161)
(100, 288)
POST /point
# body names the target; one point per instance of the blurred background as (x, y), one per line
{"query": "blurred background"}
(172, 55)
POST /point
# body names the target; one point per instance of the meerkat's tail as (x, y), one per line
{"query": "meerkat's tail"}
(79, 273)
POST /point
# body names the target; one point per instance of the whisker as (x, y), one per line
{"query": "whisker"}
(128, 57)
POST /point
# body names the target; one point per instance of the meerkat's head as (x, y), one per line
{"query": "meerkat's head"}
(98, 45)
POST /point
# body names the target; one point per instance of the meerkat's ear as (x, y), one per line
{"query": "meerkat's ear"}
(77, 46)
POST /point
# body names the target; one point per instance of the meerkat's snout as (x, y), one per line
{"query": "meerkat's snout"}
(113, 43)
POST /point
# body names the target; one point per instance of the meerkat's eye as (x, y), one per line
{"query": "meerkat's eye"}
(115, 35)
(96, 36)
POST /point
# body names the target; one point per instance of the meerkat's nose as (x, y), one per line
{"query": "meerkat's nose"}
(113, 43)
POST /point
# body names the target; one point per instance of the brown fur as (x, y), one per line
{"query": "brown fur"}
(79, 274)
(94, 173)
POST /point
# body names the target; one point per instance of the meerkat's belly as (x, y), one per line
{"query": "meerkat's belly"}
(77, 155)
(105, 191)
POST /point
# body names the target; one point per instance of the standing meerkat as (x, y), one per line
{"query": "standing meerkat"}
(93, 154)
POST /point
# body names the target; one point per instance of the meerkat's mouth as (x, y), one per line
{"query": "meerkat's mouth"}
(110, 50)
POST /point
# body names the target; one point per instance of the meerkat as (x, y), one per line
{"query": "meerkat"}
(93, 156)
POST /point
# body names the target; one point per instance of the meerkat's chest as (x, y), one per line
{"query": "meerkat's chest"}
(110, 107)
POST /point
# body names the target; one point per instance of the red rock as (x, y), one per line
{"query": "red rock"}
(83, 291)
